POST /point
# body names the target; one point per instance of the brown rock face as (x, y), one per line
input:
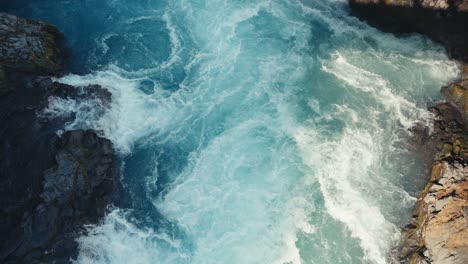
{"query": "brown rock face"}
(438, 232)
(457, 93)
(444, 223)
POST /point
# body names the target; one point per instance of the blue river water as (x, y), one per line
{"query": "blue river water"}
(250, 131)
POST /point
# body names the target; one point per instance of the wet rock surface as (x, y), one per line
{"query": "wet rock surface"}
(438, 231)
(50, 185)
(444, 21)
(75, 192)
(28, 45)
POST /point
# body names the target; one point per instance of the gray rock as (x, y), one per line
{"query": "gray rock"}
(50, 186)
(28, 45)
(444, 21)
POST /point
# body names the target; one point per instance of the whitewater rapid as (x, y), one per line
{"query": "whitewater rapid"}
(255, 131)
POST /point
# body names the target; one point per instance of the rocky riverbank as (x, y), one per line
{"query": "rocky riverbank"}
(438, 231)
(51, 184)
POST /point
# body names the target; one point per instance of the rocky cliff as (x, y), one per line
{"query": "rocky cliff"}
(442, 20)
(50, 185)
(438, 231)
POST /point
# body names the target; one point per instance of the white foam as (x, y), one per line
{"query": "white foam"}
(257, 165)
(175, 42)
(315, 105)
(86, 111)
(228, 208)
(357, 78)
(348, 165)
(117, 240)
(122, 123)
(340, 165)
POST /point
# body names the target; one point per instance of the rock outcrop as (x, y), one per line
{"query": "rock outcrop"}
(442, 214)
(438, 232)
(444, 21)
(50, 185)
(29, 45)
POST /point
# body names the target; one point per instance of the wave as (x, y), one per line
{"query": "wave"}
(273, 130)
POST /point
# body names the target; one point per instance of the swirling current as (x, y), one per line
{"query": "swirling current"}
(249, 131)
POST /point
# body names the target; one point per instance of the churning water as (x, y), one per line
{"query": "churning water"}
(250, 131)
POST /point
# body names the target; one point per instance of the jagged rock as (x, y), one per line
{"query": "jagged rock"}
(84, 161)
(457, 95)
(76, 191)
(443, 229)
(438, 232)
(444, 21)
(29, 45)
(50, 186)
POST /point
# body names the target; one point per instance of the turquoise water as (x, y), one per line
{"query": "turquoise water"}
(249, 131)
